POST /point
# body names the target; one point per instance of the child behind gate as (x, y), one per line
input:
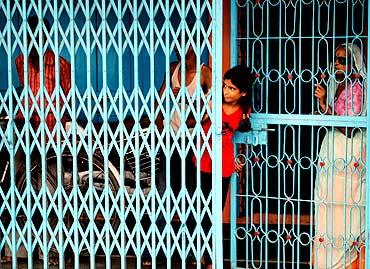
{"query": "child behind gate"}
(236, 107)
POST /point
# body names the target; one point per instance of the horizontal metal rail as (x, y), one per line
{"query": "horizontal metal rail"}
(311, 120)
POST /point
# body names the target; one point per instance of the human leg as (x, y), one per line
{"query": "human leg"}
(225, 190)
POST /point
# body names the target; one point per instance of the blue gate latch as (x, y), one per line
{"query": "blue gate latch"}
(256, 136)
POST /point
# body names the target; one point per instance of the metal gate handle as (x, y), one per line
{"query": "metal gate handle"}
(264, 130)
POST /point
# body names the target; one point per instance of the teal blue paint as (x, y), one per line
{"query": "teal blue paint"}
(284, 106)
(217, 136)
(367, 236)
(233, 183)
(82, 32)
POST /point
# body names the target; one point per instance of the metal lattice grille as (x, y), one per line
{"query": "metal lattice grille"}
(302, 199)
(87, 170)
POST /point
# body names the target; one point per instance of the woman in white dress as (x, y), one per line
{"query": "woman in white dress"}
(340, 183)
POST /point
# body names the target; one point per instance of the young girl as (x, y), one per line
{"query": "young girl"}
(236, 108)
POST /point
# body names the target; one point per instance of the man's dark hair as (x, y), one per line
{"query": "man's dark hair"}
(33, 21)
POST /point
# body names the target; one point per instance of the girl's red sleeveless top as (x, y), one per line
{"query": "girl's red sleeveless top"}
(229, 125)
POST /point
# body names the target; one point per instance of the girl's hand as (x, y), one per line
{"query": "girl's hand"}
(238, 165)
(249, 112)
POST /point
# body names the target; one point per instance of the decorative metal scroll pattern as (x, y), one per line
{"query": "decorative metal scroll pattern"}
(302, 198)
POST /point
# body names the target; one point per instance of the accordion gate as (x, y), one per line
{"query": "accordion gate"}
(89, 187)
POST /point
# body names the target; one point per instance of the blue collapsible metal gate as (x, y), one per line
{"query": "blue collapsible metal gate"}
(275, 212)
(91, 187)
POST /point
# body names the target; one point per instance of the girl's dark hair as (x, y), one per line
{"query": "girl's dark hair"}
(243, 78)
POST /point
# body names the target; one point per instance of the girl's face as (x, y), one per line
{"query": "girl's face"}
(231, 93)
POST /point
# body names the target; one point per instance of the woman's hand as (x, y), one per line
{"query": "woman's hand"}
(320, 94)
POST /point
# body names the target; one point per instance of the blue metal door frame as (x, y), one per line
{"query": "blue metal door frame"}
(266, 35)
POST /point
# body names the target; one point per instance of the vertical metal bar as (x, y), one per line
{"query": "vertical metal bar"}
(122, 189)
(233, 216)
(44, 138)
(278, 127)
(346, 178)
(248, 60)
(312, 170)
(299, 137)
(74, 139)
(332, 146)
(248, 175)
(367, 240)
(198, 117)
(233, 179)
(266, 71)
(137, 192)
(58, 152)
(167, 148)
(216, 135)
(105, 127)
(233, 33)
(12, 153)
(152, 127)
(281, 10)
(89, 126)
(331, 191)
(27, 126)
(183, 191)
(280, 137)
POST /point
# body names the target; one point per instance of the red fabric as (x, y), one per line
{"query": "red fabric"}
(49, 82)
(228, 158)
